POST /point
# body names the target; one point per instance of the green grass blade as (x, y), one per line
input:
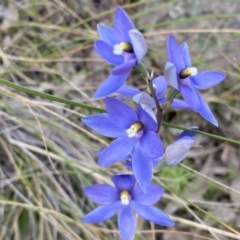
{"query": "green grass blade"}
(85, 106)
(202, 133)
(48, 96)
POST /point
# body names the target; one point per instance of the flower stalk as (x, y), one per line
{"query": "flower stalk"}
(158, 107)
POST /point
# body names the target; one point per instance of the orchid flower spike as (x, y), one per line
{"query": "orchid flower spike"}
(181, 75)
(122, 46)
(136, 136)
(125, 197)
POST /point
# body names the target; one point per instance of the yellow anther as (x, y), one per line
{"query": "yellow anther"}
(149, 91)
(126, 47)
(125, 197)
(186, 72)
(136, 127)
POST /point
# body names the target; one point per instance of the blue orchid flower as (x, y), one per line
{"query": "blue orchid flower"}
(136, 136)
(181, 75)
(125, 198)
(160, 86)
(122, 46)
(177, 151)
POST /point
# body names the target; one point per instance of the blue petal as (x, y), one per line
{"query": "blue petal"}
(205, 111)
(186, 55)
(142, 168)
(191, 96)
(180, 104)
(207, 79)
(124, 181)
(174, 54)
(117, 151)
(122, 25)
(102, 193)
(187, 133)
(129, 56)
(146, 119)
(152, 214)
(106, 52)
(176, 152)
(139, 44)
(161, 85)
(123, 68)
(106, 34)
(127, 91)
(102, 213)
(104, 125)
(126, 223)
(148, 110)
(120, 113)
(111, 85)
(170, 74)
(144, 98)
(152, 196)
(151, 145)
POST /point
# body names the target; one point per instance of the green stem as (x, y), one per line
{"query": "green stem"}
(48, 96)
(159, 109)
(100, 110)
(202, 133)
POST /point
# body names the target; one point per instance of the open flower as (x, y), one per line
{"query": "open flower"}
(181, 75)
(160, 86)
(123, 46)
(125, 198)
(136, 135)
(177, 151)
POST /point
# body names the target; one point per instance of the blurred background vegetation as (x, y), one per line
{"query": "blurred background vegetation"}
(48, 156)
